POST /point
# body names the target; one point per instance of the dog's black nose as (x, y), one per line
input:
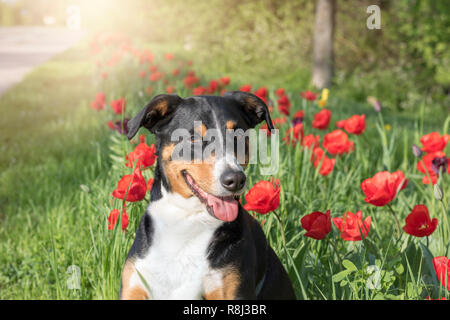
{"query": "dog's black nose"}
(233, 180)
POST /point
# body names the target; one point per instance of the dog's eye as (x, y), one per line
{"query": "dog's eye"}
(195, 139)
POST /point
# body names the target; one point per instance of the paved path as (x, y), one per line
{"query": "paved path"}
(23, 48)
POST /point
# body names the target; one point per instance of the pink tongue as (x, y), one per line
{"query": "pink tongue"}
(224, 209)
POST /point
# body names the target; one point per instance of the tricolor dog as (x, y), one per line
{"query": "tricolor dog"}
(195, 240)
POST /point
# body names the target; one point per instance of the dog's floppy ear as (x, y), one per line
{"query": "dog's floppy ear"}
(155, 113)
(255, 109)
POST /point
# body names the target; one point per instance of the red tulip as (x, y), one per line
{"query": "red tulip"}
(428, 298)
(113, 217)
(383, 187)
(170, 89)
(442, 268)
(246, 88)
(168, 56)
(336, 142)
(263, 197)
(119, 126)
(298, 117)
(318, 156)
(284, 100)
(354, 125)
(426, 166)
(297, 134)
(155, 76)
(308, 95)
(101, 98)
(284, 105)
(99, 102)
(317, 224)
(199, 91)
(150, 184)
(133, 183)
(261, 93)
(434, 142)
(321, 119)
(118, 106)
(279, 92)
(147, 56)
(175, 72)
(142, 155)
(311, 141)
(213, 86)
(352, 226)
(225, 81)
(299, 114)
(284, 109)
(419, 223)
(97, 106)
(190, 80)
(279, 121)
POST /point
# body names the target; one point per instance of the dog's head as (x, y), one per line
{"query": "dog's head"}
(193, 138)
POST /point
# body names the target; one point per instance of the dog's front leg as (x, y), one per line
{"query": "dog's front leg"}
(132, 288)
(223, 284)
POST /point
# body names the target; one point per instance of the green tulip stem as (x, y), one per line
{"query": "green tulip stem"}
(335, 250)
(283, 236)
(397, 223)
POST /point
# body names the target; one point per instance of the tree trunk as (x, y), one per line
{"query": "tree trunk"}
(323, 43)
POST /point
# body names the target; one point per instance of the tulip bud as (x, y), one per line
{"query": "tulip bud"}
(375, 103)
(296, 121)
(416, 151)
(439, 163)
(438, 193)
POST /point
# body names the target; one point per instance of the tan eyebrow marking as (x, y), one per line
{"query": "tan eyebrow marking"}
(231, 124)
(200, 129)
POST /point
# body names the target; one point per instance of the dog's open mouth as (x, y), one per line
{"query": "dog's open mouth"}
(222, 208)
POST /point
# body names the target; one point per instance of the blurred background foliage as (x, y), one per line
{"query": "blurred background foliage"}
(269, 42)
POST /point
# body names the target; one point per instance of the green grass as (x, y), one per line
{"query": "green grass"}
(60, 162)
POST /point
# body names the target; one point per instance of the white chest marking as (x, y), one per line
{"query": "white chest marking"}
(176, 263)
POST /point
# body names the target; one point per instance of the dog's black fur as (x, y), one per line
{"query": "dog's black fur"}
(240, 243)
